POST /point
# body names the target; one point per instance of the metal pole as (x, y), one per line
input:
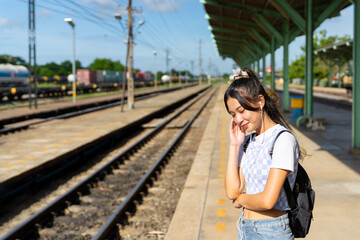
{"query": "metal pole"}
(30, 41)
(356, 82)
(286, 95)
(34, 54)
(200, 77)
(73, 66)
(339, 79)
(264, 70)
(309, 60)
(155, 77)
(330, 73)
(272, 63)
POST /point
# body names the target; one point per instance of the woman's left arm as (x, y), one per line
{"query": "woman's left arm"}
(267, 199)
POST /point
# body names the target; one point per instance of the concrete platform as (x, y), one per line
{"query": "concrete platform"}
(23, 153)
(204, 212)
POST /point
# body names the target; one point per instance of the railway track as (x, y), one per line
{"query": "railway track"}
(68, 112)
(88, 209)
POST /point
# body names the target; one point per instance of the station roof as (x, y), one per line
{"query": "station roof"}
(339, 51)
(242, 30)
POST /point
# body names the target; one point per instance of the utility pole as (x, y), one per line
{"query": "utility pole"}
(167, 59)
(200, 77)
(129, 57)
(130, 78)
(32, 53)
(209, 71)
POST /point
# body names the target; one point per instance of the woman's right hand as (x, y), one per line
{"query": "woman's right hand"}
(237, 135)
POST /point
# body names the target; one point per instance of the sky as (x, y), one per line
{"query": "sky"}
(177, 25)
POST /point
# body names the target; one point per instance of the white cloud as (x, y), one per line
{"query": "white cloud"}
(162, 5)
(3, 22)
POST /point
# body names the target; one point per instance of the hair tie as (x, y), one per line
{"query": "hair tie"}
(238, 73)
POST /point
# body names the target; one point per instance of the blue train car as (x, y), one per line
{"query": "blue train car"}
(13, 75)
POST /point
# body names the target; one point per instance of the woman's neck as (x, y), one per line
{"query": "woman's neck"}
(267, 124)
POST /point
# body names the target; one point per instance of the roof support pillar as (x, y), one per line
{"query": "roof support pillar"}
(258, 66)
(264, 70)
(309, 60)
(286, 95)
(330, 74)
(339, 79)
(272, 81)
(356, 82)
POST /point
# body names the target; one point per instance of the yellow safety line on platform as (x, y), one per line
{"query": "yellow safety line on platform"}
(220, 227)
(221, 213)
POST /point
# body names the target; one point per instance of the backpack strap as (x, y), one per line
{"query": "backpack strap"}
(289, 195)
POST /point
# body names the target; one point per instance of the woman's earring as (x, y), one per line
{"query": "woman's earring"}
(260, 105)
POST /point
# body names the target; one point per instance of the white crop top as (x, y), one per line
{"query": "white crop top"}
(257, 161)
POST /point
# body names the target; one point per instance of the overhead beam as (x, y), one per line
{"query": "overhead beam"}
(222, 39)
(291, 13)
(243, 7)
(233, 32)
(333, 6)
(260, 38)
(230, 20)
(269, 27)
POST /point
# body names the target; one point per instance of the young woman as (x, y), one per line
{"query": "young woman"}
(257, 170)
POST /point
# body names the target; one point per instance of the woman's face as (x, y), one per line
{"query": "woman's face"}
(246, 119)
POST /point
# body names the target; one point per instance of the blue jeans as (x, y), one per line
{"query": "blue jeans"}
(274, 228)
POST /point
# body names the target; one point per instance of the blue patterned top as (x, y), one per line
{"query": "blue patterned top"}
(257, 161)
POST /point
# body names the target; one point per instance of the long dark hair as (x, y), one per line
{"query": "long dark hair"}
(247, 90)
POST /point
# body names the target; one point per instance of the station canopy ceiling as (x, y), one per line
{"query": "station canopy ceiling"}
(337, 52)
(242, 29)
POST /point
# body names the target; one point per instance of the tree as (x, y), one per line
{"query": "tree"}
(297, 68)
(106, 64)
(12, 60)
(226, 76)
(320, 69)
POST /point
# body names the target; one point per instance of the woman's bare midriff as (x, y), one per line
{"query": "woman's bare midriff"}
(273, 213)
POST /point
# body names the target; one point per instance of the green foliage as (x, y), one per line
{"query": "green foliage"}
(106, 64)
(297, 68)
(12, 60)
(159, 74)
(225, 76)
(320, 69)
(53, 69)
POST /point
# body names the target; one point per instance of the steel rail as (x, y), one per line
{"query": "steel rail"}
(29, 226)
(108, 228)
(68, 115)
(80, 112)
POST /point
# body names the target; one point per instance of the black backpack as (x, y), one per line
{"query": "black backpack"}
(301, 200)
